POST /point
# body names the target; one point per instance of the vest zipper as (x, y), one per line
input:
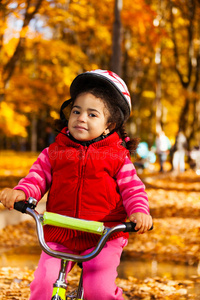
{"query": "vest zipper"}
(81, 176)
(82, 172)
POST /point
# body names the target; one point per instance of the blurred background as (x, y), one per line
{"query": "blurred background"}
(154, 45)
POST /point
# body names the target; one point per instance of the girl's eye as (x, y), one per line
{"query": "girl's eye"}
(75, 112)
(92, 115)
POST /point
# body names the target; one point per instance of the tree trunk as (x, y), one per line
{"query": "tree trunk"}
(190, 79)
(34, 133)
(116, 59)
(9, 67)
(158, 104)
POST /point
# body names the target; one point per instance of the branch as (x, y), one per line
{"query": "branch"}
(10, 66)
(191, 10)
(29, 16)
(197, 74)
(175, 47)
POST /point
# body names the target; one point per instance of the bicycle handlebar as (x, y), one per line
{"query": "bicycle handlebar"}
(21, 206)
(28, 207)
(73, 223)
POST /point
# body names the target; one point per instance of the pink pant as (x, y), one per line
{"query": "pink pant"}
(99, 274)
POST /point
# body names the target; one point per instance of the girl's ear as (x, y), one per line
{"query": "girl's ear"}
(110, 127)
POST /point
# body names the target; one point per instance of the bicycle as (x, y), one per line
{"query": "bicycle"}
(48, 218)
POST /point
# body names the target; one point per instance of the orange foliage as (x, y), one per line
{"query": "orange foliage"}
(69, 37)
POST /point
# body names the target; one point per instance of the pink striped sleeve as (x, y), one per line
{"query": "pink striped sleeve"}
(132, 189)
(37, 182)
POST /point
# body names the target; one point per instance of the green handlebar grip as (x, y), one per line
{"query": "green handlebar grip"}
(72, 223)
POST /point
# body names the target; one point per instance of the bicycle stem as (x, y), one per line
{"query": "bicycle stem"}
(60, 282)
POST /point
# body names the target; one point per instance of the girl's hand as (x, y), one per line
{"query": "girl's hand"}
(9, 196)
(143, 221)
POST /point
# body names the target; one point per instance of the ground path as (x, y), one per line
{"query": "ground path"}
(175, 206)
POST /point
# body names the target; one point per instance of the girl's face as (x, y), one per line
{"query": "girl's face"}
(88, 118)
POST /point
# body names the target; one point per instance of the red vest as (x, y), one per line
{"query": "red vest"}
(84, 186)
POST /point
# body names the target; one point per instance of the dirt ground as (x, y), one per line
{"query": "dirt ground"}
(175, 206)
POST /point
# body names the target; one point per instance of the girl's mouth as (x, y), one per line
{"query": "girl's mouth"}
(80, 128)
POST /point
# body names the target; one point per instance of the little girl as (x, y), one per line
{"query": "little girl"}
(89, 175)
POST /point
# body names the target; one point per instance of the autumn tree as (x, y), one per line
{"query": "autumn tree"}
(64, 44)
(26, 12)
(65, 38)
(140, 39)
(185, 37)
(116, 58)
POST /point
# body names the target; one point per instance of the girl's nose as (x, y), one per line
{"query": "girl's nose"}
(82, 117)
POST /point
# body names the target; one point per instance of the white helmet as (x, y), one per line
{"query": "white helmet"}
(106, 79)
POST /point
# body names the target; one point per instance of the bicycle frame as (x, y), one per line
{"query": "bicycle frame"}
(60, 286)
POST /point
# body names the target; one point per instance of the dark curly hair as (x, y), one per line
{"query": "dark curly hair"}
(116, 116)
